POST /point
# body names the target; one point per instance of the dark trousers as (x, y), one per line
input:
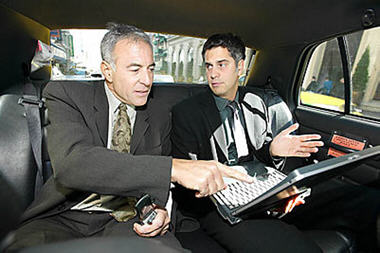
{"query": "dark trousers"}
(342, 206)
(257, 235)
(75, 224)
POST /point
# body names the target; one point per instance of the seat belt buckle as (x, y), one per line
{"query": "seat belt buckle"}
(31, 101)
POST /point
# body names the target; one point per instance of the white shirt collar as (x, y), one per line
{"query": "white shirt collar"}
(113, 102)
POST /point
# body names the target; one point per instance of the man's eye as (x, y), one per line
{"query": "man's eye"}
(151, 69)
(208, 67)
(222, 65)
(134, 69)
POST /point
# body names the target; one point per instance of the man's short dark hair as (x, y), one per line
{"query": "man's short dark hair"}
(233, 43)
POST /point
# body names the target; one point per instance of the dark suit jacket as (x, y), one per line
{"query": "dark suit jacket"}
(77, 139)
(197, 128)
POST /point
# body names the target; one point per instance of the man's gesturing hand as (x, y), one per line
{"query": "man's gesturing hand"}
(285, 144)
(206, 177)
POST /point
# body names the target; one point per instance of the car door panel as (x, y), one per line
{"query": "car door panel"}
(324, 122)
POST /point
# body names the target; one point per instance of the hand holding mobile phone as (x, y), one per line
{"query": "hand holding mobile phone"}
(145, 209)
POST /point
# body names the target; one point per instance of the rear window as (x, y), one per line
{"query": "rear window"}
(178, 58)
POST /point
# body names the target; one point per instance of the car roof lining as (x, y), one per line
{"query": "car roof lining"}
(261, 24)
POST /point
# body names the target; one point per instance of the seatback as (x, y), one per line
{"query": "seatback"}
(17, 47)
(10, 211)
(171, 94)
(17, 164)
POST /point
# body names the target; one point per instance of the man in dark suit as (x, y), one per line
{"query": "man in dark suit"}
(230, 124)
(109, 142)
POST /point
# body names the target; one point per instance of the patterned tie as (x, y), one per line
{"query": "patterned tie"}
(121, 134)
(121, 142)
(238, 131)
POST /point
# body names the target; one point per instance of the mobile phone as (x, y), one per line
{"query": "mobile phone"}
(145, 209)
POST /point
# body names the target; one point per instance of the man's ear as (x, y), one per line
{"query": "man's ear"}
(241, 67)
(107, 71)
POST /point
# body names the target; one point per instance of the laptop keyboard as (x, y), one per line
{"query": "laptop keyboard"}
(239, 193)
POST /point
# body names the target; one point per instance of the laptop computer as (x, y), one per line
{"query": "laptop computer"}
(272, 187)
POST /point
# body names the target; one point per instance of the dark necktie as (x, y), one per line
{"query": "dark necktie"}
(240, 148)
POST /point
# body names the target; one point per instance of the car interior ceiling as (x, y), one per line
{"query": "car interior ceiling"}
(264, 24)
(281, 35)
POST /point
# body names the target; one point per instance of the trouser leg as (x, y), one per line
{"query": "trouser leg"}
(257, 235)
(125, 229)
(338, 205)
(40, 232)
(59, 227)
(75, 224)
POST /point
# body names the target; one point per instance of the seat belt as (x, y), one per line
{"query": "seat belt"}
(32, 103)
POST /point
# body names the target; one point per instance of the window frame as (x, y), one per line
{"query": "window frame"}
(346, 70)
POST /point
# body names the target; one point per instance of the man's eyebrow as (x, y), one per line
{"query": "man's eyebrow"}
(134, 65)
(218, 61)
(222, 60)
(139, 65)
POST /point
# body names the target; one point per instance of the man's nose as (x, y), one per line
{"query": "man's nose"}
(214, 73)
(146, 77)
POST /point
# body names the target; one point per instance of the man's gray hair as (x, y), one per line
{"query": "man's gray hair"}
(116, 33)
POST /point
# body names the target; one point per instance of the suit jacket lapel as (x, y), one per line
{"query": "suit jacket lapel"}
(141, 125)
(255, 118)
(212, 115)
(101, 112)
(248, 117)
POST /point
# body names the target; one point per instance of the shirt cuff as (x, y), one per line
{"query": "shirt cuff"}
(169, 203)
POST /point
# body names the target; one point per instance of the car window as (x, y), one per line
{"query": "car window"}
(324, 82)
(178, 58)
(322, 85)
(364, 51)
